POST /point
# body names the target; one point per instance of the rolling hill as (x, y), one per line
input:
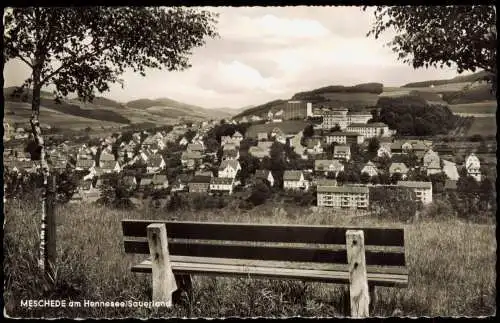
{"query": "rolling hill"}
(462, 89)
(71, 113)
(470, 78)
(168, 107)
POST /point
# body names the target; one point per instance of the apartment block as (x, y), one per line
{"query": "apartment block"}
(356, 197)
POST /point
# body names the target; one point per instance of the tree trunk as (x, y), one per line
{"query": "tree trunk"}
(44, 167)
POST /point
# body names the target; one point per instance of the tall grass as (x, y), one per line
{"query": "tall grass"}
(451, 265)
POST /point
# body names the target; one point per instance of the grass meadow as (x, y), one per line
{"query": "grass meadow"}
(451, 265)
(486, 126)
(486, 107)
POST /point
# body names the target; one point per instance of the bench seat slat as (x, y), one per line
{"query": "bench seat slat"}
(276, 253)
(258, 270)
(313, 234)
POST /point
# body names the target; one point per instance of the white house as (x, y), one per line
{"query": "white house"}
(294, 179)
(370, 130)
(159, 181)
(183, 141)
(328, 166)
(229, 168)
(370, 169)
(400, 168)
(431, 162)
(155, 164)
(85, 164)
(109, 166)
(342, 152)
(473, 166)
(222, 184)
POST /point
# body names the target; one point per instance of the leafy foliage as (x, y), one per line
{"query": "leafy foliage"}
(260, 194)
(396, 202)
(441, 35)
(412, 115)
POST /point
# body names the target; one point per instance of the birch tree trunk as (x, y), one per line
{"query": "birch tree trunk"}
(44, 167)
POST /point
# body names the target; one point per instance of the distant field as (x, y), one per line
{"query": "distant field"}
(483, 126)
(370, 98)
(291, 126)
(452, 87)
(132, 114)
(488, 107)
(21, 112)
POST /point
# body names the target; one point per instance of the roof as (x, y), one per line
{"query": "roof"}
(191, 155)
(107, 164)
(369, 164)
(84, 163)
(237, 134)
(395, 166)
(368, 125)
(342, 148)
(203, 173)
(326, 182)
(229, 146)
(194, 147)
(146, 180)
(292, 175)
(450, 169)
(258, 152)
(201, 179)
(414, 184)
(221, 181)
(325, 164)
(343, 133)
(231, 163)
(342, 189)
(265, 144)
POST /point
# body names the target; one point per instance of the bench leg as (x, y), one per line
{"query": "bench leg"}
(373, 297)
(346, 301)
(358, 282)
(184, 284)
(163, 278)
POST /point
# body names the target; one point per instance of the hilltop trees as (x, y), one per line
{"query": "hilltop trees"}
(465, 36)
(82, 51)
(412, 115)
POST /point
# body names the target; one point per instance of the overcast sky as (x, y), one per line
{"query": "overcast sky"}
(268, 53)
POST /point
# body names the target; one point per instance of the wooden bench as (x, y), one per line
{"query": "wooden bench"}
(360, 257)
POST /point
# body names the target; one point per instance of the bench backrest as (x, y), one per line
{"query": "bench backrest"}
(273, 242)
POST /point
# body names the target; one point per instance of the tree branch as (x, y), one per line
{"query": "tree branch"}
(71, 62)
(24, 60)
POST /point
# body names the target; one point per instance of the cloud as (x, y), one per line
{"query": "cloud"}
(270, 29)
(237, 77)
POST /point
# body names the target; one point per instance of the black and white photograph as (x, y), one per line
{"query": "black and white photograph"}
(249, 161)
